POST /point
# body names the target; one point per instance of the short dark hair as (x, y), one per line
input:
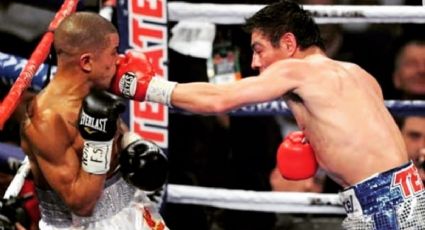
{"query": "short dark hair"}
(82, 31)
(279, 18)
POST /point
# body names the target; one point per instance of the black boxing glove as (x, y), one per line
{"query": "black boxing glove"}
(143, 164)
(12, 211)
(98, 124)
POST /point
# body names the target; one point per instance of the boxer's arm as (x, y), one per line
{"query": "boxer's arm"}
(277, 80)
(60, 165)
(135, 80)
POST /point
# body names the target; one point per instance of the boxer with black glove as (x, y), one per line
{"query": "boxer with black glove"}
(142, 163)
(98, 124)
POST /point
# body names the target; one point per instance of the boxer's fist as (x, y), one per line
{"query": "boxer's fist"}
(134, 73)
(99, 114)
(143, 163)
(135, 79)
(295, 157)
(98, 124)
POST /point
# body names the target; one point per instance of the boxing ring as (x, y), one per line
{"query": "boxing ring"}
(282, 202)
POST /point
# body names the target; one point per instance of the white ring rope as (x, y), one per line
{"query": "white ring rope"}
(281, 202)
(16, 184)
(323, 14)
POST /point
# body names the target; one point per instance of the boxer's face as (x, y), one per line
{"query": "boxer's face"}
(106, 63)
(264, 53)
(413, 132)
(410, 75)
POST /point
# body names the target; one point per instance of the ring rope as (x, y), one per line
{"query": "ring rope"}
(323, 14)
(281, 202)
(40, 54)
(279, 107)
(18, 180)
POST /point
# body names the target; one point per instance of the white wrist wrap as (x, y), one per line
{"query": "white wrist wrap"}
(96, 156)
(159, 90)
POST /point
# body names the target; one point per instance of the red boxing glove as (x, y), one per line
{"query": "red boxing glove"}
(295, 157)
(135, 79)
(134, 72)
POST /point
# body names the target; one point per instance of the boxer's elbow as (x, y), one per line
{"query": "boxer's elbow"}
(228, 99)
(216, 105)
(212, 100)
(220, 104)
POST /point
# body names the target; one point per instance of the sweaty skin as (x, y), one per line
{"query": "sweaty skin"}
(338, 105)
(50, 135)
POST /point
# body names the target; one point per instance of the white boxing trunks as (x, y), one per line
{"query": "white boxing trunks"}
(391, 200)
(120, 207)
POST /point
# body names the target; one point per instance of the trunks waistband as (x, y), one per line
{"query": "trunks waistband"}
(383, 191)
(116, 196)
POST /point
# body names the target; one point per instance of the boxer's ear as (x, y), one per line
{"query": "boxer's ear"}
(86, 62)
(288, 42)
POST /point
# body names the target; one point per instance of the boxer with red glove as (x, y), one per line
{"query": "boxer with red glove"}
(135, 79)
(295, 157)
